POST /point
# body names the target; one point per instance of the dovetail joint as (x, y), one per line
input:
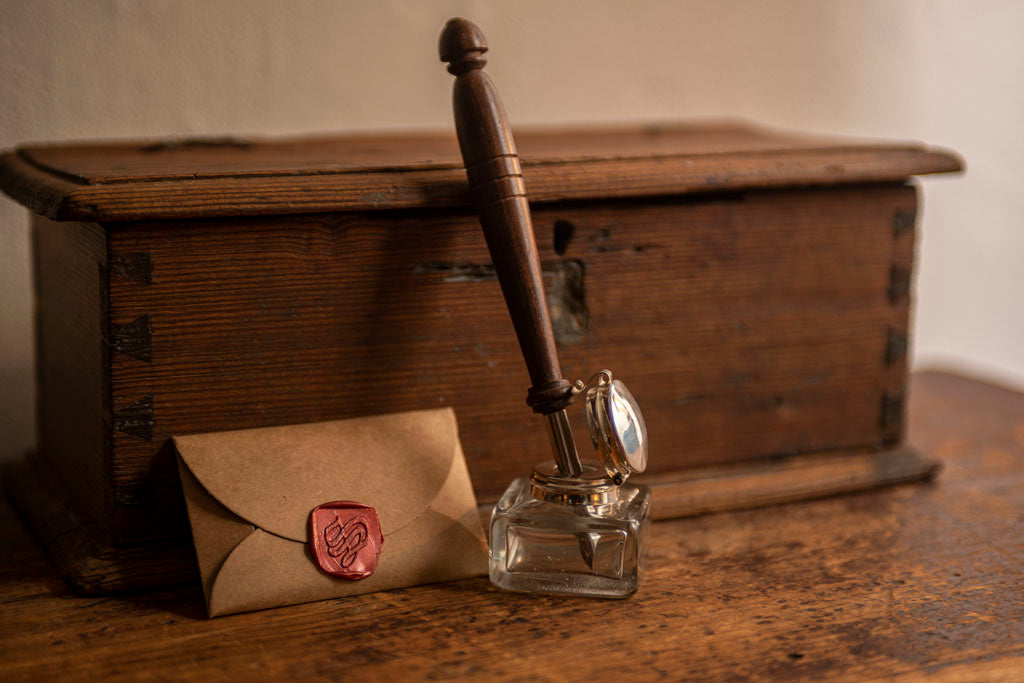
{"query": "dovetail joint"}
(895, 346)
(902, 221)
(134, 339)
(137, 267)
(892, 412)
(899, 284)
(136, 419)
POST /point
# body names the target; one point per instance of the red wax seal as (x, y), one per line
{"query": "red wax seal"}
(345, 538)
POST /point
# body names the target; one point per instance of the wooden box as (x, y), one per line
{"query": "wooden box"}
(752, 287)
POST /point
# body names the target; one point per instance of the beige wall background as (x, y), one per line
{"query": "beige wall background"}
(947, 72)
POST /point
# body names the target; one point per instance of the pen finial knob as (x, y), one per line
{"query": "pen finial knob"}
(462, 45)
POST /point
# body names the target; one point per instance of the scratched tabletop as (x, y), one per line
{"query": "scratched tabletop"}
(904, 582)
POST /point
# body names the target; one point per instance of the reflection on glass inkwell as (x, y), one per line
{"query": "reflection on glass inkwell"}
(578, 526)
(574, 526)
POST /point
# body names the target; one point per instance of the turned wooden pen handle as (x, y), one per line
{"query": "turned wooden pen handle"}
(496, 185)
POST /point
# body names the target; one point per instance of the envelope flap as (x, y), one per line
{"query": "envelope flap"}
(272, 477)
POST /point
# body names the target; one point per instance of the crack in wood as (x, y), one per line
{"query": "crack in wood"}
(198, 143)
(458, 272)
(567, 304)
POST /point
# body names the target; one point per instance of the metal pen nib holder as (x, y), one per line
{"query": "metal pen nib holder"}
(574, 526)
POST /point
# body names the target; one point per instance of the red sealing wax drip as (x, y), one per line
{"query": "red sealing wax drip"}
(345, 538)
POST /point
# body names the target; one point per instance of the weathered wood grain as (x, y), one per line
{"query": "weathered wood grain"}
(72, 362)
(750, 325)
(78, 548)
(80, 552)
(183, 179)
(752, 286)
(757, 483)
(901, 583)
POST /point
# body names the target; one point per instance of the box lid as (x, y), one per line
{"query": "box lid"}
(232, 177)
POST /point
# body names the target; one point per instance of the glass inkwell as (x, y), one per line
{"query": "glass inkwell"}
(577, 526)
(573, 526)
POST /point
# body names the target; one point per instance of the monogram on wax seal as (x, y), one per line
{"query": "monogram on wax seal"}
(345, 538)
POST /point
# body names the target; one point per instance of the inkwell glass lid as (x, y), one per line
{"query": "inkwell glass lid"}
(616, 425)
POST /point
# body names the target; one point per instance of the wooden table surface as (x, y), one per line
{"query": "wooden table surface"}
(924, 579)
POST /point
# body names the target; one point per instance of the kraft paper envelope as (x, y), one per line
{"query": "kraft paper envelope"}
(249, 495)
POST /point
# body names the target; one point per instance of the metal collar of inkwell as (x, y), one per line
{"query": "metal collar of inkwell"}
(618, 434)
